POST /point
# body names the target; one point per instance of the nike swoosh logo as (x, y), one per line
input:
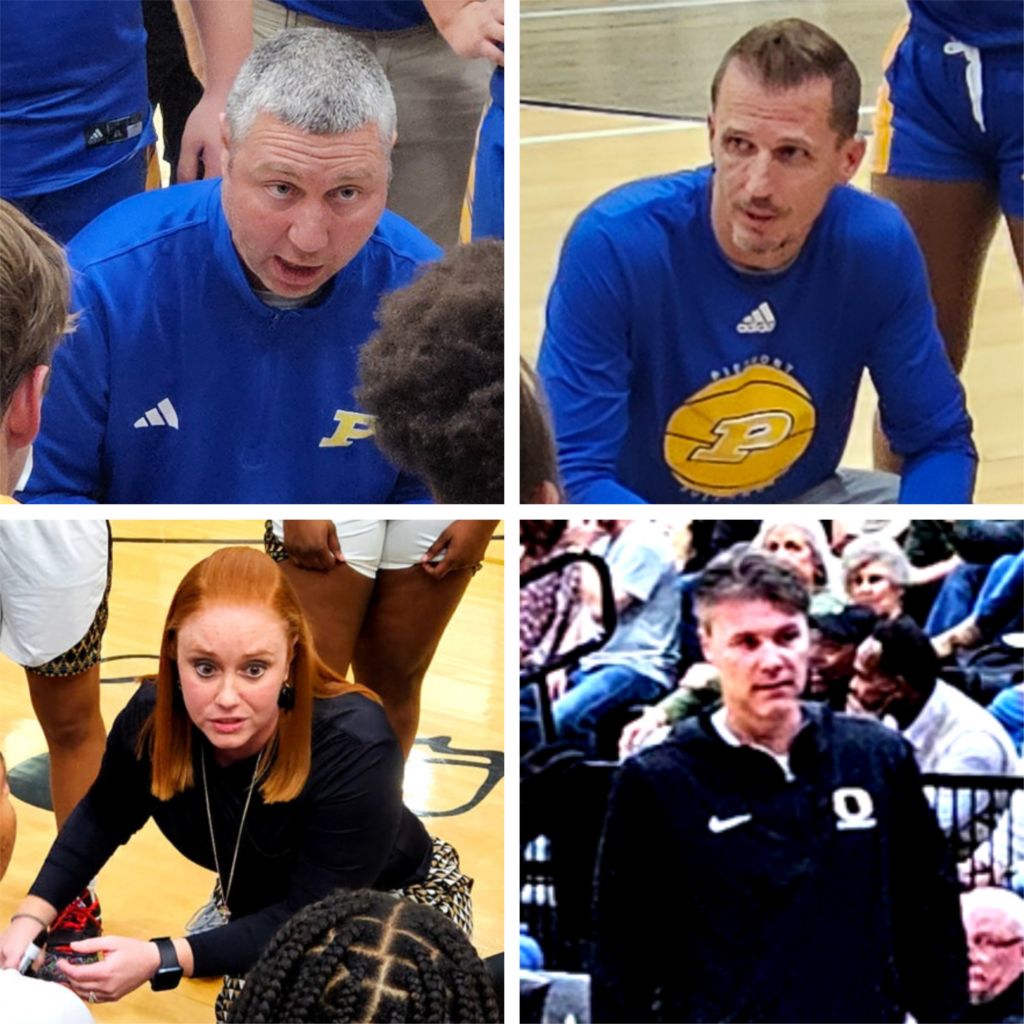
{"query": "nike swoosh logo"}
(717, 824)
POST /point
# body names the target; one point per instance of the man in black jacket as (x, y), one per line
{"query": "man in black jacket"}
(771, 861)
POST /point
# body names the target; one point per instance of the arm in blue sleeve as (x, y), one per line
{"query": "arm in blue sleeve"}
(585, 365)
(922, 402)
(938, 478)
(67, 455)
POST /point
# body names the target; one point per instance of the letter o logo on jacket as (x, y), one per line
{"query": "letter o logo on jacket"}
(854, 808)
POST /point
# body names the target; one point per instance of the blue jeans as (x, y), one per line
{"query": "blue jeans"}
(992, 593)
(593, 693)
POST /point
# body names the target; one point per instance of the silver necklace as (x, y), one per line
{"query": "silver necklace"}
(238, 842)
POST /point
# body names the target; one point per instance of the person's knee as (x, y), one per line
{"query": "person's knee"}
(68, 722)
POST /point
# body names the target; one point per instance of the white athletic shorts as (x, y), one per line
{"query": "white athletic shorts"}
(53, 574)
(372, 544)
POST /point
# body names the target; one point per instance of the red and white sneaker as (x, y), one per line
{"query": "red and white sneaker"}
(80, 919)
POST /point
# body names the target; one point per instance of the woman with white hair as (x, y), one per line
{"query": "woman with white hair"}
(876, 572)
(804, 547)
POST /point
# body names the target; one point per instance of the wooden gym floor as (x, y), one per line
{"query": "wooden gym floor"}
(618, 90)
(454, 778)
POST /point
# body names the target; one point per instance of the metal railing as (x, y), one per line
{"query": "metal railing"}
(557, 871)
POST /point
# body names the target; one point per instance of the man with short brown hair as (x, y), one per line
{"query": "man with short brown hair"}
(707, 332)
(770, 860)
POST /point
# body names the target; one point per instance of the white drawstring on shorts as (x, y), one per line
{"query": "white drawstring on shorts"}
(972, 56)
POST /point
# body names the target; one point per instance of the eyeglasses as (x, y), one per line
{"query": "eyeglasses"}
(988, 942)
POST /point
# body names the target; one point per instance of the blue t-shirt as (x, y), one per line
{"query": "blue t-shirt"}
(674, 376)
(73, 97)
(376, 15)
(646, 636)
(981, 23)
(180, 385)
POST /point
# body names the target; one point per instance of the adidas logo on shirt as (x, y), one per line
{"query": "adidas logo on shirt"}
(163, 415)
(760, 321)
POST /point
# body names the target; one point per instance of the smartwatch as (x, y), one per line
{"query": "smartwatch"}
(169, 973)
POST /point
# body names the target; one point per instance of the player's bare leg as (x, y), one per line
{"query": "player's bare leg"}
(335, 603)
(954, 223)
(404, 625)
(68, 709)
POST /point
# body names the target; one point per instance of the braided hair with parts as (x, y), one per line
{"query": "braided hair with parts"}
(360, 955)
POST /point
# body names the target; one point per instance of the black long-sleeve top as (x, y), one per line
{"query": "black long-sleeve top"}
(347, 828)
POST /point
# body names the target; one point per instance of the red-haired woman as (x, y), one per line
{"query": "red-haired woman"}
(256, 761)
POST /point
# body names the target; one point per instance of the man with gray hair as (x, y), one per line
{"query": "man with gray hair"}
(221, 321)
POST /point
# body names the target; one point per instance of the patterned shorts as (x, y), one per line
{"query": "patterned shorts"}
(446, 888)
(272, 545)
(86, 652)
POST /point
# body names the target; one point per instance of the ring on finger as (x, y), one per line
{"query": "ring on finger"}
(92, 997)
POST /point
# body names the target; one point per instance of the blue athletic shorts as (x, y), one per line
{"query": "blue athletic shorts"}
(951, 112)
(62, 214)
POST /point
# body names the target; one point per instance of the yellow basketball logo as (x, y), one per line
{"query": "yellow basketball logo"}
(740, 433)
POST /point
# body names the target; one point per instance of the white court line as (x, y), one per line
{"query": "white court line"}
(608, 133)
(572, 12)
(640, 129)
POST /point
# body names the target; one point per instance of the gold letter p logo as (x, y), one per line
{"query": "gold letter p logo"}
(352, 426)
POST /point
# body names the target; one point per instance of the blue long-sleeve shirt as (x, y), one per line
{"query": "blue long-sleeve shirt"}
(180, 385)
(675, 376)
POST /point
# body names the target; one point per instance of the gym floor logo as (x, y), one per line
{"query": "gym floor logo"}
(442, 753)
(740, 433)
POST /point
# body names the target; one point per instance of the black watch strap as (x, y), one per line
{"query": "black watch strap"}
(169, 973)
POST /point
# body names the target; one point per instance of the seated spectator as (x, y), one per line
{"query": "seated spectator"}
(531, 956)
(366, 956)
(897, 680)
(994, 923)
(538, 467)
(547, 607)
(997, 609)
(876, 573)
(434, 376)
(834, 640)
(805, 547)
(1008, 710)
(637, 665)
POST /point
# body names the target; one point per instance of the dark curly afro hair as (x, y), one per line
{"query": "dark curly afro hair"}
(433, 375)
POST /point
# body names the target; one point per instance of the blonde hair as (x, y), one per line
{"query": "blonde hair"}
(36, 287)
(239, 575)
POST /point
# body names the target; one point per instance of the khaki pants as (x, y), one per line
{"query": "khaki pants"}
(440, 99)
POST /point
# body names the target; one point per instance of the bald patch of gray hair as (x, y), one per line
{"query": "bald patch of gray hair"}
(316, 80)
(1003, 901)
